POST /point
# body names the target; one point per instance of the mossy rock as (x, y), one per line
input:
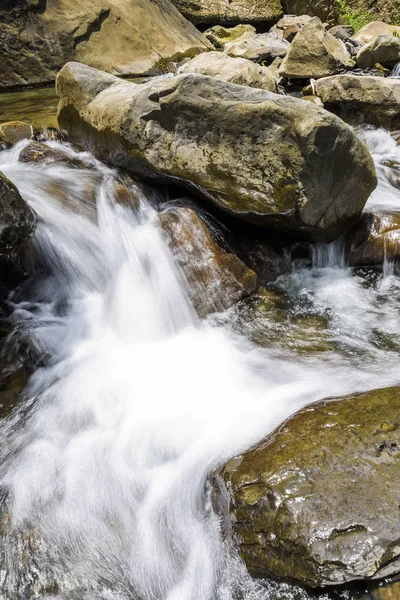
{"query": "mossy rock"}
(318, 500)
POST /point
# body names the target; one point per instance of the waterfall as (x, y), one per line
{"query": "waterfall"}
(105, 462)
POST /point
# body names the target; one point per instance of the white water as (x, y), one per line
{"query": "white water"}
(104, 465)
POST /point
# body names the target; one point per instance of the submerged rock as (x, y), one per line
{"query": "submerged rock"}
(226, 11)
(125, 38)
(215, 279)
(273, 160)
(364, 99)
(315, 53)
(17, 219)
(384, 50)
(36, 152)
(232, 70)
(318, 500)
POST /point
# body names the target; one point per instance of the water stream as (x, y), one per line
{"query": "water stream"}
(105, 460)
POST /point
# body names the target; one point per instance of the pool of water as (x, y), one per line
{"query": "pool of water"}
(36, 106)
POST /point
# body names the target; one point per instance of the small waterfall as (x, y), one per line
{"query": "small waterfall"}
(104, 463)
(395, 71)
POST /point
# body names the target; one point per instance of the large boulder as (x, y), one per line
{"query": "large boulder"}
(216, 279)
(370, 32)
(233, 70)
(315, 53)
(230, 11)
(365, 99)
(17, 219)
(384, 50)
(263, 47)
(126, 38)
(318, 500)
(273, 160)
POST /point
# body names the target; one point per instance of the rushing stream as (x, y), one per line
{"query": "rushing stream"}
(105, 460)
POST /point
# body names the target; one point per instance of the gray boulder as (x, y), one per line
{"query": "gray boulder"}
(258, 47)
(273, 160)
(232, 70)
(384, 50)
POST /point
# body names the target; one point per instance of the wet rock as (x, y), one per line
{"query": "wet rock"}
(384, 50)
(14, 131)
(264, 47)
(17, 219)
(268, 260)
(374, 240)
(371, 31)
(125, 38)
(315, 53)
(318, 500)
(226, 11)
(35, 152)
(219, 36)
(365, 99)
(51, 134)
(216, 279)
(273, 160)
(232, 70)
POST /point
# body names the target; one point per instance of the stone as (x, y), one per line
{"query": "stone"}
(273, 160)
(315, 53)
(36, 152)
(268, 259)
(219, 36)
(365, 99)
(340, 32)
(326, 10)
(216, 279)
(14, 131)
(126, 38)
(290, 33)
(373, 241)
(228, 11)
(17, 219)
(233, 70)
(370, 32)
(317, 501)
(314, 100)
(288, 21)
(263, 47)
(384, 50)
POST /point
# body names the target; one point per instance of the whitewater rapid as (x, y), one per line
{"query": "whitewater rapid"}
(105, 462)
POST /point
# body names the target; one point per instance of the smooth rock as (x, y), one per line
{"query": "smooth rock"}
(314, 100)
(215, 279)
(288, 21)
(339, 32)
(228, 11)
(261, 47)
(315, 53)
(232, 70)
(384, 50)
(273, 160)
(17, 219)
(14, 131)
(371, 31)
(364, 99)
(126, 38)
(318, 500)
(219, 35)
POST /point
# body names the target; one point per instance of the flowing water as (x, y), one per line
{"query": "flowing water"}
(105, 460)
